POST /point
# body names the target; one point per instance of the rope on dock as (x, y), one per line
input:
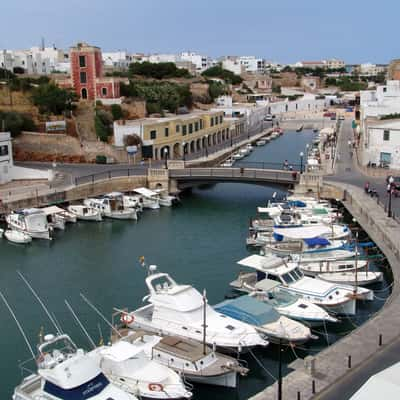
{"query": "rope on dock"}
(261, 365)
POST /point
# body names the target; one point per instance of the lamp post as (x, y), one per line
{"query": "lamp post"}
(184, 150)
(206, 146)
(301, 162)
(391, 180)
(166, 157)
(307, 149)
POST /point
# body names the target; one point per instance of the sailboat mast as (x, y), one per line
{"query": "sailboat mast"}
(204, 321)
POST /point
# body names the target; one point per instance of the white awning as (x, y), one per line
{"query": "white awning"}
(120, 351)
(53, 210)
(266, 285)
(304, 232)
(145, 192)
(261, 263)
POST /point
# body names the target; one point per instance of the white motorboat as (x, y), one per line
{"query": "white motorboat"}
(361, 278)
(244, 151)
(322, 267)
(127, 365)
(55, 219)
(288, 304)
(335, 298)
(32, 221)
(228, 163)
(85, 213)
(111, 206)
(17, 236)
(179, 310)
(165, 199)
(66, 372)
(261, 142)
(265, 319)
(237, 155)
(249, 147)
(148, 198)
(191, 359)
(133, 201)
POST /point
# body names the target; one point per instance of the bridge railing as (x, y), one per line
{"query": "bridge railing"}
(269, 165)
(249, 174)
(109, 174)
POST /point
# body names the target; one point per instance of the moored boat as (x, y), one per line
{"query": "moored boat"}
(15, 236)
(32, 221)
(360, 278)
(85, 213)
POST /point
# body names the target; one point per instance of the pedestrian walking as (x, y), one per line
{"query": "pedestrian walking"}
(366, 187)
(285, 165)
(388, 188)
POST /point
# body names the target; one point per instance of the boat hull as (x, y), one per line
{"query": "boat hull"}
(226, 380)
(121, 215)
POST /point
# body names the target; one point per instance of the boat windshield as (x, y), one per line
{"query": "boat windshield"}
(280, 298)
(292, 276)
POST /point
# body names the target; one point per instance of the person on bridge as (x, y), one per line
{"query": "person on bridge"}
(285, 165)
(366, 187)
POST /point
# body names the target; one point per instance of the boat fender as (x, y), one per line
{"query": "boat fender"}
(156, 387)
(127, 319)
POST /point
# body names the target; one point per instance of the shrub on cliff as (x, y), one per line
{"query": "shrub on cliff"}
(52, 99)
(218, 72)
(15, 122)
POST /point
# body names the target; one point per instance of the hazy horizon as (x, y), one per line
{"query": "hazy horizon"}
(282, 32)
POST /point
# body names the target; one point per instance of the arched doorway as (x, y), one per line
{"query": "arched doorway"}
(84, 93)
(219, 137)
(214, 139)
(164, 153)
(192, 147)
(176, 151)
(198, 144)
(203, 142)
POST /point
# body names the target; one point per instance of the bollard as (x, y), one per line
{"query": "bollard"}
(380, 339)
(349, 362)
(313, 387)
(298, 396)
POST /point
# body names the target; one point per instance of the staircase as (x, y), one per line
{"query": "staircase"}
(84, 119)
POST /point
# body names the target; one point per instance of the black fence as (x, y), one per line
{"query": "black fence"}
(112, 173)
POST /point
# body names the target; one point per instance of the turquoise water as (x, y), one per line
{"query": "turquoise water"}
(197, 242)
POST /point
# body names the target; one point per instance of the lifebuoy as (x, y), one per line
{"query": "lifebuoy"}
(127, 319)
(155, 387)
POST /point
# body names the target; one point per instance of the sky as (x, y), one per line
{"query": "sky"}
(280, 30)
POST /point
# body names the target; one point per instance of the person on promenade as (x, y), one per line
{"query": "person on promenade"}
(285, 165)
(366, 187)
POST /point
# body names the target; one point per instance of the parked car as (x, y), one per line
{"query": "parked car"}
(396, 181)
(268, 117)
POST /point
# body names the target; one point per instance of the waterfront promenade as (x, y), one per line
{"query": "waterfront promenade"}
(330, 376)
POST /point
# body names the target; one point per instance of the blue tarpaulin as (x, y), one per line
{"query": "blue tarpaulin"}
(297, 203)
(318, 241)
(278, 237)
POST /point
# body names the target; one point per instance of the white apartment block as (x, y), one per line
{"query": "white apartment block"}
(334, 63)
(116, 59)
(252, 64)
(369, 69)
(200, 61)
(233, 64)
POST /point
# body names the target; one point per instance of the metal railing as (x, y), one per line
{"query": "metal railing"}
(109, 174)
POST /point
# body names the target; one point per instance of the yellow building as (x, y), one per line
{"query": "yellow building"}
(178, 136)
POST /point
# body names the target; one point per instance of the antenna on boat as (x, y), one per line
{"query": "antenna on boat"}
(52, 320)
(204, 321)
(98, 312)
(18, 324)
(80, 323)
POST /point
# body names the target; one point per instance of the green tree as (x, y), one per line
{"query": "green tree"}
(102, 131)
(116, 112)
(15, 122)
(52, 99)
(216, 89)
(162, 70)
(218, 72)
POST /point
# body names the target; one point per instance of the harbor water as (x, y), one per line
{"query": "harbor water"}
(197, 242)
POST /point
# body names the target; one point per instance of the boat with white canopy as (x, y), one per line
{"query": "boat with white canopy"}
(54, 218)
(111, 206)
(32, 221)
(165, 199)
(335, 298)
(180, 310)
(288, 304)
(148, 198)
(85, 213)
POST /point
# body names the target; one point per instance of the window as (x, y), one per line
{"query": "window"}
(82, 61)
(386, 135)
(220, 119)
(212, 121)
(196, 126)
(83, 77)
(153, 135)
(4, 150)
(178, 128)
(190, 128)
(201, 124)
(384, 89)
(166, 131)
(104, 91)
(183, 130)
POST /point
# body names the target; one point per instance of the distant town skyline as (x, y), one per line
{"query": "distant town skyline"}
(284, 31)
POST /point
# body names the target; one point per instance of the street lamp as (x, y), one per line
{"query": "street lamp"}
(391, 180)
(166, 157)
(307, 148)
(206, 146)
(301, 162)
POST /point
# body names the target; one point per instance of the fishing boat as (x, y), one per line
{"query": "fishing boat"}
(54, 217)
(193, 360)
(165, 199)
(287, 304)
(299, 129)
(261, 142)
(127, 366)
(265, 319)
(180, 310)
(85, 213)
(111, 206)
(228, 163)
(237, 156)
(148, 198)
(335, 298)
(133, 201)
(18, 237)
(32, 221)
(66, 372)
(359, 278)
(323, 267)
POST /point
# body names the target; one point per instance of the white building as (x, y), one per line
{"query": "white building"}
(8, 171)
(200, 61)
(369, 69)
(116, 59)
(233, 64)
(252, 64)
(161, 58)
(382, 143)
(334, 63)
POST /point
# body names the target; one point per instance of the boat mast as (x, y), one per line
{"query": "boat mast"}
(18, 324)
(356, 261)
(204, 321)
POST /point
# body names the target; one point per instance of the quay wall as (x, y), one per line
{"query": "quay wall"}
(313, 376)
